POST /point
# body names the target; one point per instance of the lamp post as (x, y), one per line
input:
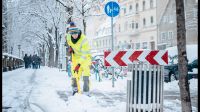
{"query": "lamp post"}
(22, 54)
(19, 47)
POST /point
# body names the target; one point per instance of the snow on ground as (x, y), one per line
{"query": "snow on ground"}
(173, 86)
(174, 103)
(26, 90)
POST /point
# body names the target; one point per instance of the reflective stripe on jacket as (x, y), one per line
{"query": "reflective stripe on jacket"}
(81, 49)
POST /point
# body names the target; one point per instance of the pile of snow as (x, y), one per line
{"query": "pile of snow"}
(191, 50)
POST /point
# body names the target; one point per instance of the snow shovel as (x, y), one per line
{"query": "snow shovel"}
(77, 76)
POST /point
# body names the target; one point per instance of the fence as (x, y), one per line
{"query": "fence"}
(145, 89)
(10, 62)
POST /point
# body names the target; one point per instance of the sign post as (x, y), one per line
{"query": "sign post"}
(112, 9)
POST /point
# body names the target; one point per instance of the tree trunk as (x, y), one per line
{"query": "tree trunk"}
(51, 53)
(182, 57)
(84, 26)
(56, 58)
(84, 22)
(43, 55)
(57, 48)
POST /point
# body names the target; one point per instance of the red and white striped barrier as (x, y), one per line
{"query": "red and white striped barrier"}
(123, 58)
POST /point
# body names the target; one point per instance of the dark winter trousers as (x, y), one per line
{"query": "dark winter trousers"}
(85, 84)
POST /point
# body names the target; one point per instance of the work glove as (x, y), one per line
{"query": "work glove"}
(70, 50)
(77, 68)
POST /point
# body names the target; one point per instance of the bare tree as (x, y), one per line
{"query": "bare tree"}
(182, 57)
(49, 20)
(80, 10)
(83, 9)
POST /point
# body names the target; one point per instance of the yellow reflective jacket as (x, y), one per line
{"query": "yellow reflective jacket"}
(81, 49)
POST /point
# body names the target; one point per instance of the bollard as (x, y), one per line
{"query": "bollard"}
(145, 89)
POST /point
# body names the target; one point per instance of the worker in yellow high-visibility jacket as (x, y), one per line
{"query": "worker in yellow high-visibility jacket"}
(81, 58)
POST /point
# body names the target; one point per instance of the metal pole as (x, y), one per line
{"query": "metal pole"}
(112, 50)
(19, 47)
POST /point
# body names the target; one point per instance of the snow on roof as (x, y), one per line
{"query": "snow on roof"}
(191, 51)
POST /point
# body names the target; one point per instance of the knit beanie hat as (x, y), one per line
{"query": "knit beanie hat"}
(73, 27)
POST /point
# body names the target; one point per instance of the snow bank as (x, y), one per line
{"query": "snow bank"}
(192, 52)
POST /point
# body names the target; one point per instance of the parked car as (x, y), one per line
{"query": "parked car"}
(171, 71)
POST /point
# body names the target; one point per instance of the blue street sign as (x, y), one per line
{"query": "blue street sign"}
(112, 9)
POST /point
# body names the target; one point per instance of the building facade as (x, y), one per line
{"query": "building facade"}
(136, 25)
(167, 27)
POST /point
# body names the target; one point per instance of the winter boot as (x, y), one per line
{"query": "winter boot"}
(74, 91)
(87, 94)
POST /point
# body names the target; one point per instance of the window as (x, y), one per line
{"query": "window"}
(151, 3)
(124, 11)
(137, 46)
(125, 45)
(129, 46)
(132, 45)
(144, 22)
(144, 45)
(132, 25)
(151, 19)
(163, 36)
(125, 25)
(170, 35)
(136, 25)
(165, 19)
(136, 7)
(130, 8)
(143, 5)
(171, 19)
(195, 13)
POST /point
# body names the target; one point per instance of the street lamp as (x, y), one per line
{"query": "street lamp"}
(22, 54)
(19, 47)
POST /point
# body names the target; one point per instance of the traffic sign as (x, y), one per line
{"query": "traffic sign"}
(123, 58)
(112, 9)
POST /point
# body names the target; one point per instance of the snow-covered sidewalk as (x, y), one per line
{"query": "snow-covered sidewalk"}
(45, 90)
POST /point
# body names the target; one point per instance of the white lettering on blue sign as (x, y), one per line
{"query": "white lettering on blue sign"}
(112, 9)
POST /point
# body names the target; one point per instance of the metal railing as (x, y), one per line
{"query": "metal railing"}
(10, 62)
(145, 88)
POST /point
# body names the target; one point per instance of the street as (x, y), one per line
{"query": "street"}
(48, 90)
